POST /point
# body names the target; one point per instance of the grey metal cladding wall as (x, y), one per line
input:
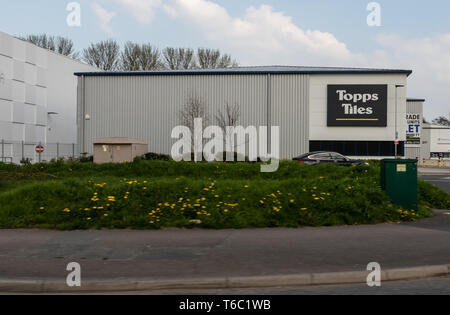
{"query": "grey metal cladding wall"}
(414, 107)
(147, 107)
(290, 111)
(412, 153)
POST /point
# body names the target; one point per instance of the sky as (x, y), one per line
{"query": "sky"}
(413, 34)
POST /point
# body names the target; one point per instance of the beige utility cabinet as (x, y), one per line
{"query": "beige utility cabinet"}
(118, 150)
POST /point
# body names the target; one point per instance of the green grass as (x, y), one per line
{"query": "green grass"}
(156, 194)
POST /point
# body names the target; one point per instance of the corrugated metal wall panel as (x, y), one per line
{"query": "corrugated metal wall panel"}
(290, 111)
(147, 107)
(414, 107)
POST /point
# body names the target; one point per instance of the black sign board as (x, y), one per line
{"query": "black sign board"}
(357, 105)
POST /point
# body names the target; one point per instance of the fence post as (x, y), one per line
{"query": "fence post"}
(3, 150)
(23, 150)
(73, 151)
(40, 152)
(57, 151)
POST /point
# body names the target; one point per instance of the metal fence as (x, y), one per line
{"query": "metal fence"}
(35, 152)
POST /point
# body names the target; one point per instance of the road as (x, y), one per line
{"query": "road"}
(187, 254)
(443, 181)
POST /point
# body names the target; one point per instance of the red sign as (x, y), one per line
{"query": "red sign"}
(39, 149)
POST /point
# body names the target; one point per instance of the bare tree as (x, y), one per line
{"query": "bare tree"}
(178, 58)
(130, 57)
(61, 45)
(150, 58)
(230, 117)
(443, 121)
(104, 55)
(213, 59)
(193, 108)
(137, 57)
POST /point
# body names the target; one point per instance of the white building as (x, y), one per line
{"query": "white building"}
(436, 141)
(38, 93)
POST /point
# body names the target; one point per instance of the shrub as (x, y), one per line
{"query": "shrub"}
(156, 156)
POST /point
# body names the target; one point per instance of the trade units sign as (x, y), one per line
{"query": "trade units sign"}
(414, 123)
(357, 105)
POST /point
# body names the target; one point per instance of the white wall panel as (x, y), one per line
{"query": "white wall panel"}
(6, 67)
(5, 110)
(30, 51)
(6, 89)
(18, 91)
(42, 58)
(29, 114)
(19, 70)
(41, 76)
(41, 96)
(30, 94)
(17, 132)
(18, 112)
(41, 116)
(18, 49)
(30, 74)
(5, 130)
(30, 133)
(5, 45)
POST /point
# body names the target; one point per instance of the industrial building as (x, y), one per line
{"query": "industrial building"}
(437, 143)
(38, 95)
(358, 112)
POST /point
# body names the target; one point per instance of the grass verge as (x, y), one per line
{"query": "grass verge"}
(157, 194)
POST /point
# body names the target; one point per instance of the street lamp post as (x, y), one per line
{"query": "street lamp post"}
(396, 130)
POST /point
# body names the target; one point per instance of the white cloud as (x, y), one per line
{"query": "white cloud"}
(429, 58)
(143, 10)
(263, 36)
(104, 18)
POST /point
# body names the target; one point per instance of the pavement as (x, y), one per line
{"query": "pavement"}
(431, 286)
(176, 258)
(433, 171)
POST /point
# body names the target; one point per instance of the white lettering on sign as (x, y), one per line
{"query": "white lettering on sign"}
(350, 109)
(344, 96)
(414, 123)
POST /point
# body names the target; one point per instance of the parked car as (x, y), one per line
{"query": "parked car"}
(324, 157)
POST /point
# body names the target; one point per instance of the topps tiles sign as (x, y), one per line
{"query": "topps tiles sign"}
(357, 105)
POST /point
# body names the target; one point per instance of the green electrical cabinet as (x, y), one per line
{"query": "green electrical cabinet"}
(399, 181)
